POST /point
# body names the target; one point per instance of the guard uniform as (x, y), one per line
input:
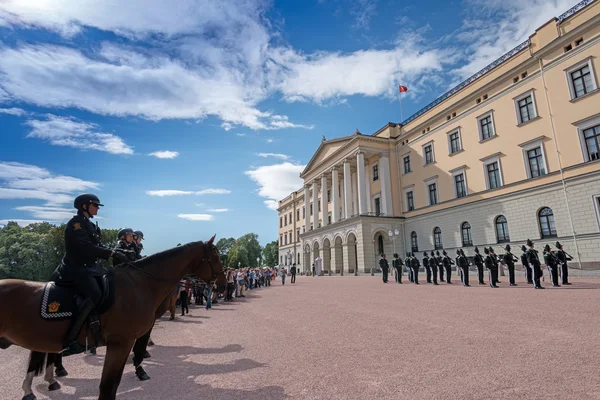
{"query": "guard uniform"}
(510, 259)
(447, 262)
(440, 265)
(490, 264)
(427, 266)
(414, 265)
(433, 264)
(552, 264)
(528, 272)
(563, 257)
(408, 263)
(397, 265)
(534, 260)
(478, 260)
(462, 263)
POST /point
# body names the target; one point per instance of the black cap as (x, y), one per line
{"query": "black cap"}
(529, 242)
(476, 250)
(491, 249)
(523, 248)
(547, 247)
(444, 252)
(84, 199)
(395, 255)
(486, 250)
(425, 254)
(558, 245)
(437, 253)
(507, 247)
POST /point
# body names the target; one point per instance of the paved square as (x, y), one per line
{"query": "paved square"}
(356, 338)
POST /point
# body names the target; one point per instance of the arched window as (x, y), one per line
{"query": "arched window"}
(380, 244)
(502, 229)
(546, 218)
(465, 230)
(437, 238)
(414, 246)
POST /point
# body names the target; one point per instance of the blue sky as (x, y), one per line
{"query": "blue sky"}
(192, 118)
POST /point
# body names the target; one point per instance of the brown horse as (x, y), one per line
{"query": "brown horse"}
(140, 288)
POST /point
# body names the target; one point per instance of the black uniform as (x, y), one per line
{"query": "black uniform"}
(447, 261)
(528, 273)
(407, 262)
(552, 264)
(427, 267)
(293, 272)
(493, 268)
(397, 264)
(433, 264)
(509, 259)
(383, 264)
(478, 260)
(414, 265)
(497, 262)
(463, 263)
(534, 260)
(440, 266)
(562, 258)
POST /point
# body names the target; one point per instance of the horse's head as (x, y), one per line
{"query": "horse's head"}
(213, 269)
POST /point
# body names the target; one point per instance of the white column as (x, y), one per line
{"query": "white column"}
(362, 182)
(335, 205)
(386, 188)
(306, 208)
(342, 197)
(324, 198)
(347, 189)
(368, 188)
(315, 201)
(354, 195)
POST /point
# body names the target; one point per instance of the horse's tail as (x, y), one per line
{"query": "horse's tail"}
(5, 343)
(36, 362)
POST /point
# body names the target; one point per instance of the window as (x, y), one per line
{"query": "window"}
(303, 212)
(290, 217)
(380, 248)
(407, 165)
(465, 231)
(525, 107)
(311, 209)
(304, 229)
(432, 189)
(428, 154)
(329, 219)
(280, 240)
(410, 200)
(568, 48)
(460, 187)
(535, 161)
(437, 238)
(377, 206)
(486, 127)
(493, 171)
(454, 143)
(285, 220)
(502, 229)
(414, 246)
(597, 207)
(591, 138)
(319, 205)
(547, 227)
(297, 215)
(581, 79)
(578, 42)
(375, 172)
(329, 195)
(298, 235)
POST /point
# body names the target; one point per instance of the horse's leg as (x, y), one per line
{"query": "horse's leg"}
(60, 368)
(114, 363)
(49, 375)
(139, 353)
(34, 368)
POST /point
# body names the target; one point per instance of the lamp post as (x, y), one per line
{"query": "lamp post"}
(258, 261)
(393, 234)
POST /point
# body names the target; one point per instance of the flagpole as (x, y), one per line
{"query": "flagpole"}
(401, 118)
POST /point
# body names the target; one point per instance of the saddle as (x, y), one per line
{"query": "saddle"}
(60, 300)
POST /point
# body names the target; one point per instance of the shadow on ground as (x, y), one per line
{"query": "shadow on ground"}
(173, 376)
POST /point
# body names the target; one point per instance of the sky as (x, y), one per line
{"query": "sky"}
(193, 118)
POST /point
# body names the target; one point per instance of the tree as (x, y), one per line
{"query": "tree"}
(250, 243)
(225, 245)
(238, 257)
(270, 253)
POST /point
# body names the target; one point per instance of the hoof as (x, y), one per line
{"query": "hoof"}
(61, 372)
(54, 386)
(30, 396)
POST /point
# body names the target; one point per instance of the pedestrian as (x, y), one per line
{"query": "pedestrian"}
(183, 298)
(313, 269)
(283, 274)
(384, 266)
(293, 271)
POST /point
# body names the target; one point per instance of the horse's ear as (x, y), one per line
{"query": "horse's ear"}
(212, 239)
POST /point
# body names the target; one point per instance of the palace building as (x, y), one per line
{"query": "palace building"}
(511, 153)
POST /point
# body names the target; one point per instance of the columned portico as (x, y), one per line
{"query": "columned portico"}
(363, 183)
(386, 187)
(315, 203)
(354, 195)
(347, 189)
(335, 205)
(306, 208)
(324, 200)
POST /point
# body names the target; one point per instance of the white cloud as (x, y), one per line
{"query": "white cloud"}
(15, 170)
(363, 11)
(164, 154)
(269, 140)
(64, 131)
(49, 213)
(196, 217)
(218, 210)
(50, 198)
(276, 181)
(275, 155)
(163, 193)
(12, 111)
(240, 134)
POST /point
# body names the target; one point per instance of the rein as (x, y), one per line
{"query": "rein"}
(160, 278)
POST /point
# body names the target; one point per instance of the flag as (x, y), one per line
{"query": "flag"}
(403, 89)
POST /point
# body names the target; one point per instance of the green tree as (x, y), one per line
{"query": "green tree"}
(270, 253)
(225, 245)
(238, 257)
(253, 249)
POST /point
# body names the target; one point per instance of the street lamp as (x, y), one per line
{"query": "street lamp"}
(258, 261)
(393, 234)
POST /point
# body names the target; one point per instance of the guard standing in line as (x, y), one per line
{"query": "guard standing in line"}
(497, 262)
(414, 265)
(433, 264)
(510, 259)
(534, 260)
(79, 264)
(491, 265)
(462, 262)
(563, 257)
(407, 262)
(440, 264)
(397, 264)
(384, 266)
(447, 261)
(528, 272)
(426, 265)
(552, 263)
(478, 260)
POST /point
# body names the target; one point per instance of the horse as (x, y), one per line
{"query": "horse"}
(131, 316)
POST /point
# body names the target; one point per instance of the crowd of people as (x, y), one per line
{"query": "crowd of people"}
(556, 263)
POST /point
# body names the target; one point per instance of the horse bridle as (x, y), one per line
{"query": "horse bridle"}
(204, 259)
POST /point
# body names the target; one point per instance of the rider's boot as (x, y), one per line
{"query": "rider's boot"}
(70, 346)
